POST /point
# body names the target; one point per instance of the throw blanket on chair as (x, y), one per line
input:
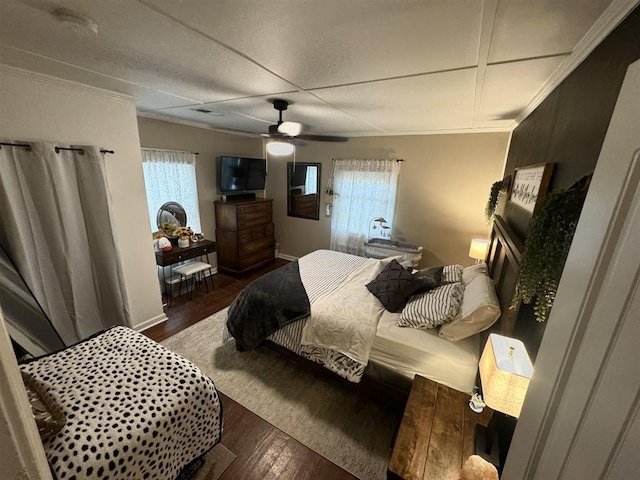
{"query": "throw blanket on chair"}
(340, 332)
(266, 305)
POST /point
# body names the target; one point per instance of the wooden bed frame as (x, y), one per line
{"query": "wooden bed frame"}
(503, 259)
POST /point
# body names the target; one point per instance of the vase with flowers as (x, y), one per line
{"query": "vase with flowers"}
(183, 234)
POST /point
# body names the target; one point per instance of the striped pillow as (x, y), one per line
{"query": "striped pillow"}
(451, 274)
(433, 308)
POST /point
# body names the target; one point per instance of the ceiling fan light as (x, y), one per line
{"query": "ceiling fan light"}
(292, 129)
(280, 148)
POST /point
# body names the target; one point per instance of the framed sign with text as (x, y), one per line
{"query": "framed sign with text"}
(530, 186)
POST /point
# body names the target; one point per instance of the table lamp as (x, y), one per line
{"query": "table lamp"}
(478, 249)
(505, 371)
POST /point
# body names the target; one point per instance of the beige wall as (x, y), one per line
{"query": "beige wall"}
(37, 107)
(444, 187)
(210, 145)
(444, 183)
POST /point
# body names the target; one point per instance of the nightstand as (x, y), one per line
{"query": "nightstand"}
(437, 433)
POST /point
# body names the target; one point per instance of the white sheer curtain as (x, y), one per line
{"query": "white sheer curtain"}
(364, 190)
(170, 175)
(311, 180)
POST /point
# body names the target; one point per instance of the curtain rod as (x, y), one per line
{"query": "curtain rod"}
(26, 146)
(169, 150)
(397, 159)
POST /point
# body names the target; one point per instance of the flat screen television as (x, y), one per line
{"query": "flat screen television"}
(238, 174)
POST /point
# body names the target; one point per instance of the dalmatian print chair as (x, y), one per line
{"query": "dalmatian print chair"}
(125, 408)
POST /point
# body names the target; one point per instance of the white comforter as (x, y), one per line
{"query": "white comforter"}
(343, 323)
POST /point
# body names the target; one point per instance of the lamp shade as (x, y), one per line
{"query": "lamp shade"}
(478, 249)
(505, 371)
(280, 148)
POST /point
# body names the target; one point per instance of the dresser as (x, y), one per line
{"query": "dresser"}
(244, 234)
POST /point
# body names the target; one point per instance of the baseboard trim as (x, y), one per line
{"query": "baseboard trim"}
(151, 322)
(287, 257)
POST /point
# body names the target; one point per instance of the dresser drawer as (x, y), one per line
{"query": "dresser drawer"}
(253, 219)
(256, 258)
(255, 246)
(245, 236)
(181, 254)
(256, 233)
(257, 207)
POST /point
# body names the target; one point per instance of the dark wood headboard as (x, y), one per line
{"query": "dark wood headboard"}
(503, 259)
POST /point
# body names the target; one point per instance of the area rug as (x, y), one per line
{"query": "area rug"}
(215, 463)
(348, 427)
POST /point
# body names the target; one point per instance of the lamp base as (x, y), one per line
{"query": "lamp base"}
(494, 440)
(487, 445)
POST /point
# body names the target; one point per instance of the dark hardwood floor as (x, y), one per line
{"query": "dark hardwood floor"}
(262, 450)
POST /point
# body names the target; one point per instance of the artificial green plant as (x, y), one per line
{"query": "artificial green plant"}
(547, 246)
(494, 196)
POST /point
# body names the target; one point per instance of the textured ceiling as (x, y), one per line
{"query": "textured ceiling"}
(357, 67)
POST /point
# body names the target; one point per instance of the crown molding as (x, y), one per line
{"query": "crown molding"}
(20, 72)
(191, 123)
(449, 131)
(608, 21)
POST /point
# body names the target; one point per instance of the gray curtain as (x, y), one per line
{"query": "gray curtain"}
(26, 322)
(58, 232)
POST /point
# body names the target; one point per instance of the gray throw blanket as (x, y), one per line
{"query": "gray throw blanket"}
(267, 304)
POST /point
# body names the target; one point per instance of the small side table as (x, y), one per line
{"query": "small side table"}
(437, 433)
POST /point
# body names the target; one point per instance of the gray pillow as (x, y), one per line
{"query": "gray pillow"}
(451, 274)
(393, 286)
(427, 279)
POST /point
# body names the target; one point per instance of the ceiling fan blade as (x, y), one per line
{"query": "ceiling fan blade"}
(323, 138)
(290, 128)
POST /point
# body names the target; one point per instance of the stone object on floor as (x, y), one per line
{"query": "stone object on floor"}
(477, 468)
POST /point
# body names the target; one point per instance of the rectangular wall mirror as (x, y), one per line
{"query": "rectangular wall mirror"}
(303, 183)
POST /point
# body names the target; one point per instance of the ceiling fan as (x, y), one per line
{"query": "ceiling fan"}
(286, 134)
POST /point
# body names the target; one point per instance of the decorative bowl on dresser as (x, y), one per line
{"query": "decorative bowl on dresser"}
(244, 234)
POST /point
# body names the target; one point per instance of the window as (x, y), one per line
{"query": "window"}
(171, 176)
(364, 190)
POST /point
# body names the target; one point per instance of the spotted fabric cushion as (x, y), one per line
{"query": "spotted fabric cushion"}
(433, 308)
(134, 410)
(451, 274)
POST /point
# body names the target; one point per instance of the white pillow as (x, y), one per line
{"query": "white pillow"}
(451, 274)
(432, 308)
(479, 310)
(469, 273)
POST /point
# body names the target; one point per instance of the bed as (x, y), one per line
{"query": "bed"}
(122, 406)
(333, 283)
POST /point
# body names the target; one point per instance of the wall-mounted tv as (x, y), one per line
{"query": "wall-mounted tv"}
(238, 174)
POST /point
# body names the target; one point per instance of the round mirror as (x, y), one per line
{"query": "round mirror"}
(171, 216)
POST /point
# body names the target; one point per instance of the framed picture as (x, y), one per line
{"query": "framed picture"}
(530, 186)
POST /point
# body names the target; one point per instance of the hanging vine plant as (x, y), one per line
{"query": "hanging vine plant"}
(497, 189)
(547, 246)
(494, 196)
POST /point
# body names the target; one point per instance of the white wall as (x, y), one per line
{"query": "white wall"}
(37, 107)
